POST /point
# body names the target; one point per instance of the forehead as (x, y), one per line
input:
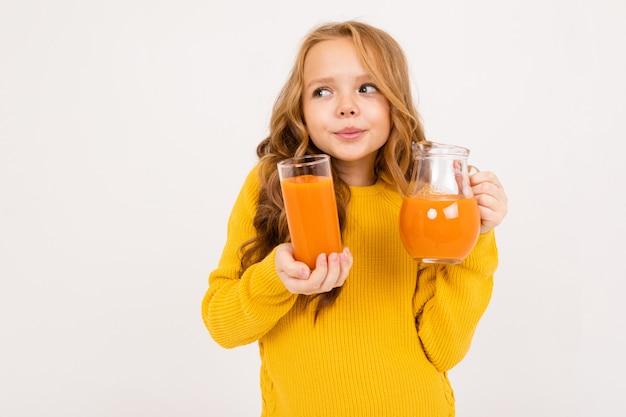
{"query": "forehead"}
(332, 55)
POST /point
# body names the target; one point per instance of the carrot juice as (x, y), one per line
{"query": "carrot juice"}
(311, 216)
(439, 228)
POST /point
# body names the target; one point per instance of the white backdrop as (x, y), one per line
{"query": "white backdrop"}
(127, 127)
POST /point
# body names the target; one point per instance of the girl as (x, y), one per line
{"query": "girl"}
(369, 331)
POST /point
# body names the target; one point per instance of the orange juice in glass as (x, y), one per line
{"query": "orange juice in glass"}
(311, 208)
(439, 217)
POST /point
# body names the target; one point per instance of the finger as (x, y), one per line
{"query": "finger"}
(346, 264)
(459, 176)
(485, 177)
(491, 196)
(325, 274)
(486, 200)
(492, 204)
(333, 273)
(316, 277)
(487, 215)
(303, 286)
(299, 270)
(490, 218)
(490, 189)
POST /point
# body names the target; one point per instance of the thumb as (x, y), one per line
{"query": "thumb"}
(286, 263)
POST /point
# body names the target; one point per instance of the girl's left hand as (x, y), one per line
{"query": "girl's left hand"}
(491, 198)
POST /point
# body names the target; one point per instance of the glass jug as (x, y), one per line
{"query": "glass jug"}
(439, 217)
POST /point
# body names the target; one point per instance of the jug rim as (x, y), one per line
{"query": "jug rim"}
(427, 148)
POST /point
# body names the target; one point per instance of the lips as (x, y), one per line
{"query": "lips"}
(350, 133)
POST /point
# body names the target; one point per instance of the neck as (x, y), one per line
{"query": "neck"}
(356, 174)
(358, 179)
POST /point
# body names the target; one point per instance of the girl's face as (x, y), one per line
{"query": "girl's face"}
(345, 114)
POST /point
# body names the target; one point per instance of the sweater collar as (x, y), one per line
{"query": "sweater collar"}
(368, 190)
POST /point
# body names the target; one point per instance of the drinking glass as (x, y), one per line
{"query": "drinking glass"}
(311, 207)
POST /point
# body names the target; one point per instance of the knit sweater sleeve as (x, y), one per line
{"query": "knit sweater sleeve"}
(450, 301)
(238, 309)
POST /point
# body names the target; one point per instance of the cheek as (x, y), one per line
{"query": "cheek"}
(381, 112)
(383, 121)
(307, 119)
(312, 124)
(386, 116)
(310, 129)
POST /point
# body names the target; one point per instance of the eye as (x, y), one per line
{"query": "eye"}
(368, 88)
(321, 92)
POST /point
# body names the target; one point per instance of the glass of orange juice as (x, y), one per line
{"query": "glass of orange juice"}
(439, 217)
(311, 207)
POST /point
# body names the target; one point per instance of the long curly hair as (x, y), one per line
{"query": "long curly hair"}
(383, 57)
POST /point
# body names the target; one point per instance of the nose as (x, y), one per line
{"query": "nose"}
(347, 107)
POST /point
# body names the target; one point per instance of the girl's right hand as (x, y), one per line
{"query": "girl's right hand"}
(330, 271)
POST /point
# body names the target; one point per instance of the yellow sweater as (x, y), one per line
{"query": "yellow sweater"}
(383, 348)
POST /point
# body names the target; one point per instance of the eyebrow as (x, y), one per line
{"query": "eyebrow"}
(318, 81)
(326, 80)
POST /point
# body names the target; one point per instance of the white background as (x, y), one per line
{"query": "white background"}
(127, 127)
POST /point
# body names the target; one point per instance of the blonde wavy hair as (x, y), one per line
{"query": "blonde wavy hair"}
(383, 57)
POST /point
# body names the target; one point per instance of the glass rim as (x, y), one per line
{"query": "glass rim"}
(304, 160)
